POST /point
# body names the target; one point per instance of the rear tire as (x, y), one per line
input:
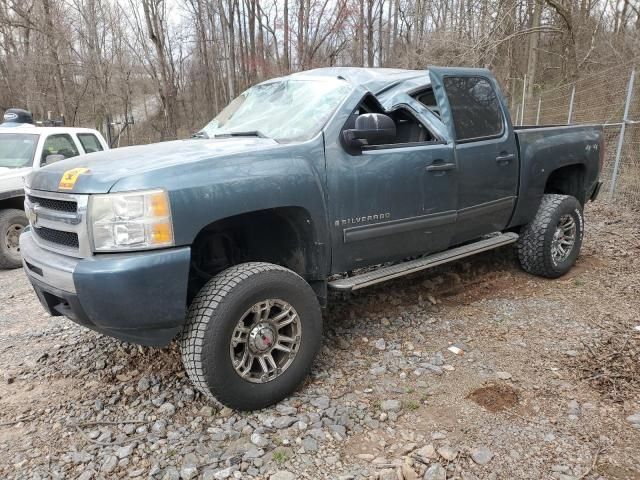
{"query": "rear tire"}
(239, 328)
(12, 223)
(550, 244)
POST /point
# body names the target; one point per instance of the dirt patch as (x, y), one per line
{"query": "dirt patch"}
(585, 264)
(495, 397)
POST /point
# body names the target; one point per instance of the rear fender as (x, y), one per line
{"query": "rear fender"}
(546, 150)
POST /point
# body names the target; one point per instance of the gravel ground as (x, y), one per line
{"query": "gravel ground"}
(387, 398)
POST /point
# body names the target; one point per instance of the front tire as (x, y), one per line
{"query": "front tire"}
(550, 244)
(12, 223)
(251, 335)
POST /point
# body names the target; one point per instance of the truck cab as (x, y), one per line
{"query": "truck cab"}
(24, 148)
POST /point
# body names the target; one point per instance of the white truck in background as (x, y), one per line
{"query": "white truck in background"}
(25, 147)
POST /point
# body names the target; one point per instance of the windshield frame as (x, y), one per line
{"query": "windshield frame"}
(29, 161)
(244, 132)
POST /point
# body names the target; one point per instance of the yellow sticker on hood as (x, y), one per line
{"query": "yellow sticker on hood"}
(70, 177)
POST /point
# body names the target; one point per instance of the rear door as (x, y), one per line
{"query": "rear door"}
(474, 111)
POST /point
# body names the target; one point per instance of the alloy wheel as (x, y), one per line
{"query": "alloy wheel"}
(265, 341)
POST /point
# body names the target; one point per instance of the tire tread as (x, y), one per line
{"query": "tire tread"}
(5, 261)
(531, 244)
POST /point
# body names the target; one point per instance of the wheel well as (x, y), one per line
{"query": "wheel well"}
(568, 180)
(13, 202)
(283, 236)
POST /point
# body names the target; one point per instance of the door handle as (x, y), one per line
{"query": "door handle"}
(441, 167)
(505, 158)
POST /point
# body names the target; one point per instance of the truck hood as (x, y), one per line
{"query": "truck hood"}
(11, 179)
(104, 169)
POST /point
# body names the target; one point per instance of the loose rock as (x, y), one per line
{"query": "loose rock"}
(435, 472)
(380, 344)
(109, 464)
(391, 405)
(167, 409)
(189, 467)
(283, 475)
(481, 455)
(447, 452)
(634, 419)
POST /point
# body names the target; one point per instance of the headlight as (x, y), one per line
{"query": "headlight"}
(131, 221)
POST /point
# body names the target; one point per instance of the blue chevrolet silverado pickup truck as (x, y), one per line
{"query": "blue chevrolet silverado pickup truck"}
(335, 178)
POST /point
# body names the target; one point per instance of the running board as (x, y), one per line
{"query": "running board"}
(383, 274)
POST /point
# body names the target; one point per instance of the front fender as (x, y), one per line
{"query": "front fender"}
(11, 194)
(202, 193)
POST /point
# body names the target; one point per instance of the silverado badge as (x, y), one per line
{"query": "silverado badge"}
(363, 219)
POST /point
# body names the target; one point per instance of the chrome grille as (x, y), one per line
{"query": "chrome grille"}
(53, 204)
(66, 239)
(59, 221)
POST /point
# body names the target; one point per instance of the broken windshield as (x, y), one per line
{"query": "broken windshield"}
(284, 110)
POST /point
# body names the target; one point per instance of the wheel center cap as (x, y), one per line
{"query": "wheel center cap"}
(261, 338)
(13, 237)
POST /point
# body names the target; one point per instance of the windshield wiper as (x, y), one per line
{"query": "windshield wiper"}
(200, 134)
(248, 133)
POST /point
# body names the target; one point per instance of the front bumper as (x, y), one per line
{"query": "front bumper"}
(137, 297)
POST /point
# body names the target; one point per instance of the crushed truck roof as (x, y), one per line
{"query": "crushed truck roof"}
(373, 79)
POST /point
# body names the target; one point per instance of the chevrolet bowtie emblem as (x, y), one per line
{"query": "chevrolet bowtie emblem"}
(32, 215)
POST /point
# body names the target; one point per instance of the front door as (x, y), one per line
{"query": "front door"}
(390, 202)
(485, 149)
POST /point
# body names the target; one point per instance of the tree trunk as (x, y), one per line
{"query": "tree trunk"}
(52, 44)
(252, 40)
(285, 53)
(154, 15)
(360, 43)
(380, 35)
(534, 38)
(370, 22)
(301, 35)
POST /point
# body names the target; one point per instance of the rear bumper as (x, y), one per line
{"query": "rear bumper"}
(136, 297)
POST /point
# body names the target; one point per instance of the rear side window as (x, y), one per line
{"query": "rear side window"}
(475, 107)
(90, 142)
(59, 144)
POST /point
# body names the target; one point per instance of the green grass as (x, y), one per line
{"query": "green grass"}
(411, 404)
(280, 457)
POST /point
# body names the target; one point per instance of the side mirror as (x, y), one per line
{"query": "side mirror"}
(53, 159)
(370, 129)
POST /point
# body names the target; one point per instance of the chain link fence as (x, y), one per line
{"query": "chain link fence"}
(610, 98)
